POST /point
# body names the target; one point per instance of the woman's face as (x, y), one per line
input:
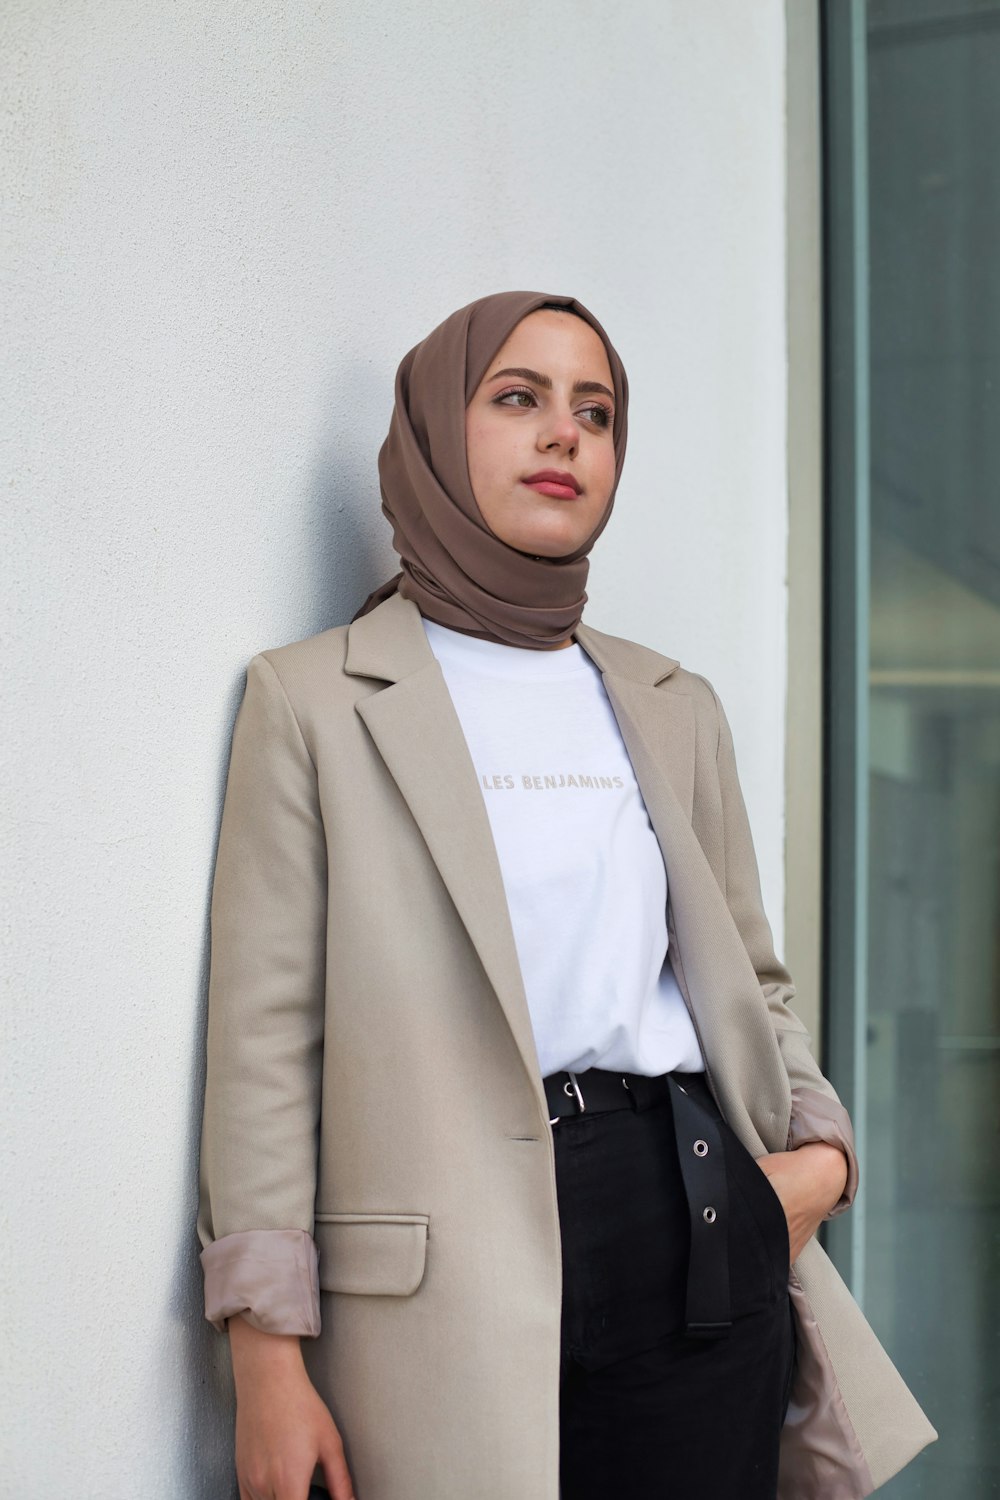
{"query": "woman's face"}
(546, 402)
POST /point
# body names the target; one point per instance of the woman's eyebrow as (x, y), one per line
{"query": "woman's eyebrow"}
(588, 387)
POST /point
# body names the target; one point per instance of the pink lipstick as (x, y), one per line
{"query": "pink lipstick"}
(556, 482)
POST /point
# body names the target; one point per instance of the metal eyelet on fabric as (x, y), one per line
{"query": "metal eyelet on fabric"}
(707, 1311)
(572, 1088)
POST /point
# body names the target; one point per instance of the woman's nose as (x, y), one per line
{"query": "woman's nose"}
(561, 428)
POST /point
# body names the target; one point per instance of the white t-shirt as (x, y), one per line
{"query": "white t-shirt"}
(582, 868)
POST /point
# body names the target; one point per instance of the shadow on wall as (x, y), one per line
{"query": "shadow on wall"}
(205, 1453)
(348, 553)
(351, 551)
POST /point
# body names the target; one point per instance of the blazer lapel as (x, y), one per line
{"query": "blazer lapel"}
(418, 734)
(658, 727)
(659, 733)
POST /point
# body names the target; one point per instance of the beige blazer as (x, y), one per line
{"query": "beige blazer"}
(373, 1089)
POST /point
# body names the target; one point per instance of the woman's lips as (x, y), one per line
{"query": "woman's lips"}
(549, 487)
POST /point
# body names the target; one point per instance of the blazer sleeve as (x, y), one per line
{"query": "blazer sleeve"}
(817, 1112)
(260, 1126)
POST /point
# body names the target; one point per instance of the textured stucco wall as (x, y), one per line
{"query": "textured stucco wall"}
(226, 224)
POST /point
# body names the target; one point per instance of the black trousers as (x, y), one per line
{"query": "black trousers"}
(647, 1411)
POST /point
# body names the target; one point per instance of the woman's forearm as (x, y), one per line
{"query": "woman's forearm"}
(259, 1357)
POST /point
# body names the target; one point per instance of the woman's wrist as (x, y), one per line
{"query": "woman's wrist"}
(257, 1355)
(828, 1169)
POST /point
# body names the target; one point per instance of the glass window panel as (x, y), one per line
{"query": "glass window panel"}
(913, 933)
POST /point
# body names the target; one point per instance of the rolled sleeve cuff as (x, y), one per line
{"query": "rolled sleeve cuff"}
(270, 1276)
(817, 1117)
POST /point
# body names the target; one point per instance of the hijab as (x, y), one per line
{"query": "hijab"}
(453, 567)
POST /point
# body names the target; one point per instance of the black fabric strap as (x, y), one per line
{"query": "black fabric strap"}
(703, 1168)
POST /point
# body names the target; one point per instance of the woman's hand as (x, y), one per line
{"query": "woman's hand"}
(809, 1181)
(283, 1427)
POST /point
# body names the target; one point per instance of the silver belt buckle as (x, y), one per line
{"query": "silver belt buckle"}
(572, 1087)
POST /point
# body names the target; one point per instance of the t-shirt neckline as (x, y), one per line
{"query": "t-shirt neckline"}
(500, 660)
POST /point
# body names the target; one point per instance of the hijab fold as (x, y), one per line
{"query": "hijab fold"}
(453, 567)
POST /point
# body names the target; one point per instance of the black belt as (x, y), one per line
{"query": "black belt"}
(703, 1170)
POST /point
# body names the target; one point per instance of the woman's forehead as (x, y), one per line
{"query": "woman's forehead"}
(561, 338)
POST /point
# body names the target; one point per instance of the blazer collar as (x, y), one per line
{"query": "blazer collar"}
(389, 642)
(624, 658)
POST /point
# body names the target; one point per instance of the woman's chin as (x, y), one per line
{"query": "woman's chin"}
(547, 545)
(543, 527)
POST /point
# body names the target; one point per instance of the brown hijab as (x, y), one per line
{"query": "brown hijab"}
(454, 568)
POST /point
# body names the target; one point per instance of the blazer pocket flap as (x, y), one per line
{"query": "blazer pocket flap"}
(380, 1255)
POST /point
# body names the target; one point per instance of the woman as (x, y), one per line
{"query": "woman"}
(510, 1135)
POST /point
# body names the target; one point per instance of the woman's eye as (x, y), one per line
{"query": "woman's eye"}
(505, 395)
(601, 415)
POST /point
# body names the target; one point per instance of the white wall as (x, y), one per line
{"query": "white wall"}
(227, 224)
